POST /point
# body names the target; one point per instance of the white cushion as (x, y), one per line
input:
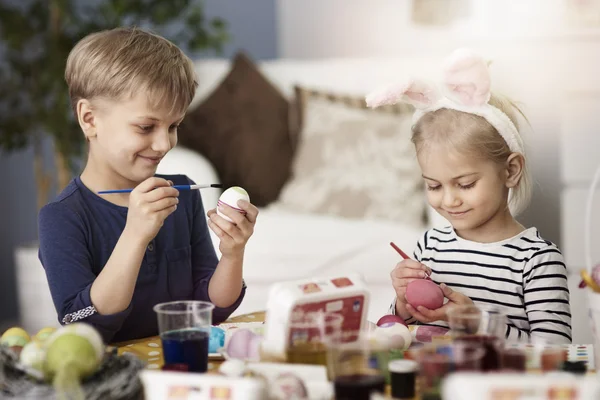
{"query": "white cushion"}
(355, 162)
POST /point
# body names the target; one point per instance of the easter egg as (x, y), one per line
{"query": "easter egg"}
(241, 345)
(423, 292)
(73, 353)
(254, 348)
(216, 339)
(33, 356)
(288, 386)
(233, 368)
(44, 334)
(15, 337)
(390, 319)
(230, 198)
(393, 335)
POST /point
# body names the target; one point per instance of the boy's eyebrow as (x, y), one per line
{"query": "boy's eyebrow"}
(456, 177)
(157, 119)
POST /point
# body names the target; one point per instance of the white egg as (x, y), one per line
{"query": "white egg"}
(230, 197)
(397, 336)
(233, 368)
(33, 355)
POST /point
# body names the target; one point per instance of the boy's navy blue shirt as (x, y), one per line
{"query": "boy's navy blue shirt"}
(78, 232)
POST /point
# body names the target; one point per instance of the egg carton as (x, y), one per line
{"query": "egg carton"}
(117, 378)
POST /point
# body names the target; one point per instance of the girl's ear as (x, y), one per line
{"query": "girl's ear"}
(515, 165)
(86, 118)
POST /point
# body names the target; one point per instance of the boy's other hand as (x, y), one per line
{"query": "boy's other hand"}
(233, 235)
(150, 203)
(426, 315)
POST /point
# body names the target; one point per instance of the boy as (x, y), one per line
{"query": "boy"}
(110, 259)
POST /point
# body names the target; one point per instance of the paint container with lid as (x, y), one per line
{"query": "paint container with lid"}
(403, 375)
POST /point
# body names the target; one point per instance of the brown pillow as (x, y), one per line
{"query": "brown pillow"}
(242, 128)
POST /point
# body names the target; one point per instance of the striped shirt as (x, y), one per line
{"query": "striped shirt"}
(525, 276)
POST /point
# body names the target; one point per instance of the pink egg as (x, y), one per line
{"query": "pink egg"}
(288, 386)
(390, 319)
(239, 344)
(254, 348)
(423, 292)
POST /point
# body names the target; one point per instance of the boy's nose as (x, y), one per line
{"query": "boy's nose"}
(161, 142)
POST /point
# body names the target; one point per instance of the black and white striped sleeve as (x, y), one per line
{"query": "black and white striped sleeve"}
(546, 297)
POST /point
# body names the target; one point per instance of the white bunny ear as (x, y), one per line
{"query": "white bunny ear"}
(418, 93)
(467, 78)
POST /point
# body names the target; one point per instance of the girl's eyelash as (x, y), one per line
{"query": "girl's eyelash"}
(469, 186)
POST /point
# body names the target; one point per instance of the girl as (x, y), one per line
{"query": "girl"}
(110, 259)
(473, 162)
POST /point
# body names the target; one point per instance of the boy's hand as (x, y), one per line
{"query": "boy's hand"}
(150, 203)
(233, 235)
(426, 315)
(405, 272)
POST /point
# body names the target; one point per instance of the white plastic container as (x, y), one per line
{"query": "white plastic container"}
(163, 385)
(520, 386)
(345, 295)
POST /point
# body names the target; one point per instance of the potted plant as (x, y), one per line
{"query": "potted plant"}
(37, 37)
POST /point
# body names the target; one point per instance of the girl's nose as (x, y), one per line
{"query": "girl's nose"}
(451, 199)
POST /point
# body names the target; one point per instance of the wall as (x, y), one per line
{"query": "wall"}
(252, 27)
(534, 61)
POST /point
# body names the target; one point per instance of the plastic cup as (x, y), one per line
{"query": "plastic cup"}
(310, 335)
(184, 328)
(438, 361)
(485, 326)
(355, 368)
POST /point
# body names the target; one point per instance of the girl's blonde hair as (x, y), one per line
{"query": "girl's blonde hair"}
(474, 135)
(119, 62)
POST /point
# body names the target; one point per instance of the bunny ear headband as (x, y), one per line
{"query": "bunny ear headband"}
(465, 87)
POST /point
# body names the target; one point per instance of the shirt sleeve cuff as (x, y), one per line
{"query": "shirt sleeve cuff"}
(82, 310)
(392, 311)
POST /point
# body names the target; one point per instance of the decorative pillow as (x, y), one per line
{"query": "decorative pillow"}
(242, 128)
(354, 162)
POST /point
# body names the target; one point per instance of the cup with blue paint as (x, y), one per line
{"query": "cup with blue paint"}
(184, 328)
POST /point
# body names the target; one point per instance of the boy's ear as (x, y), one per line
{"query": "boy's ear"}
(514, 169)
(86, 118)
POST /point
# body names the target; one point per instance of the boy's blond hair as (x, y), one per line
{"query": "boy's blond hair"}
(117, 63)
(473, 135)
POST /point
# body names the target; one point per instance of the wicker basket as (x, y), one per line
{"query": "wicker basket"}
(116, 379)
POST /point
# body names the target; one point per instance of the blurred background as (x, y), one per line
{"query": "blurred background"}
(545, 54)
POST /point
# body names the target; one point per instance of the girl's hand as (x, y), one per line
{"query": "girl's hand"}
(150, 203)
(405, 272)
(233, 235)
(426, 315)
